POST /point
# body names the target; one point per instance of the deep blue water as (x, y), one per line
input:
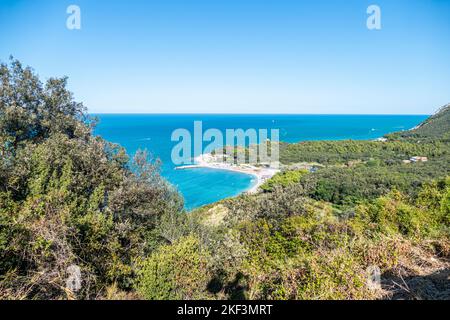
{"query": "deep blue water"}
(203, 186)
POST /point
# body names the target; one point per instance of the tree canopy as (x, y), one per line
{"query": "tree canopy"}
(68, 197)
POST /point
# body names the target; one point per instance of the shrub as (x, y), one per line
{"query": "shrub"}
(177, 271)
(284, 179)
(68, 197)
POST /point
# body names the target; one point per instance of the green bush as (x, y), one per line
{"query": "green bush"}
(177, 271)
(68, 197)
(283, 179)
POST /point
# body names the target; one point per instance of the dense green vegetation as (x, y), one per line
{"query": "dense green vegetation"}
(343, 185)
(317, 235)
(282, 245)
(67, 197)
(70, 199)
(356, 171)
(437, 125)
(284, 179)
(342, 152)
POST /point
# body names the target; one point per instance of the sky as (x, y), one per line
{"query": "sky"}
(238, 56)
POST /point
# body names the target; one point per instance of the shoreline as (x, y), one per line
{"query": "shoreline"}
(261, 174)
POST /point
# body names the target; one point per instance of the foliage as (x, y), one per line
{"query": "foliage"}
(68, 197)
(359, 170)
(323, 253)
(177, 271)
(346, 151)
(315, 235)
(283, 179)
(438, 125)
(351, 185)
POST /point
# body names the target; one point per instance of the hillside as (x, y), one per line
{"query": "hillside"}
(354, 171)
(436, 126)
(435, 129)
(78, 220)
(321, 235)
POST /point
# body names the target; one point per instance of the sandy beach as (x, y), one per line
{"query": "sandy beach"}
(209, 161)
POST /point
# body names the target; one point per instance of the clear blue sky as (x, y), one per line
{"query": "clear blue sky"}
(238, 56)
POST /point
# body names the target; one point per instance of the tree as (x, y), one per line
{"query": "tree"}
(68, 197)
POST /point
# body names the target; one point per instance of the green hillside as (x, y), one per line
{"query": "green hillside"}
(316, 235)
(321, 234)
(436, 126)
(354, 171)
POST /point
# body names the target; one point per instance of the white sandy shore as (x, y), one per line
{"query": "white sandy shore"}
(261, 174)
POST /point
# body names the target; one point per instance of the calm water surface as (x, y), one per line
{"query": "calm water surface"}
(203, 186)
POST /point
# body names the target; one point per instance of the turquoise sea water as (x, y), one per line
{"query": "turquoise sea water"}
(203, 186)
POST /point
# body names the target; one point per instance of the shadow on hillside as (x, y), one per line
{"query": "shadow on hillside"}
(435, 286)
(235, 290)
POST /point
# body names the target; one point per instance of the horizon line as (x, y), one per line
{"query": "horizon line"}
(260, 114)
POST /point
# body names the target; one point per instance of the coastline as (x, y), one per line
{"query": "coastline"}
(260, 173)
(152, 127)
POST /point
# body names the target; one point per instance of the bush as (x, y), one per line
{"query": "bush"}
(68, 197)
(177, 271)
(284, 179)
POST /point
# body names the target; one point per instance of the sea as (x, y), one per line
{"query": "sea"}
(153, 132)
